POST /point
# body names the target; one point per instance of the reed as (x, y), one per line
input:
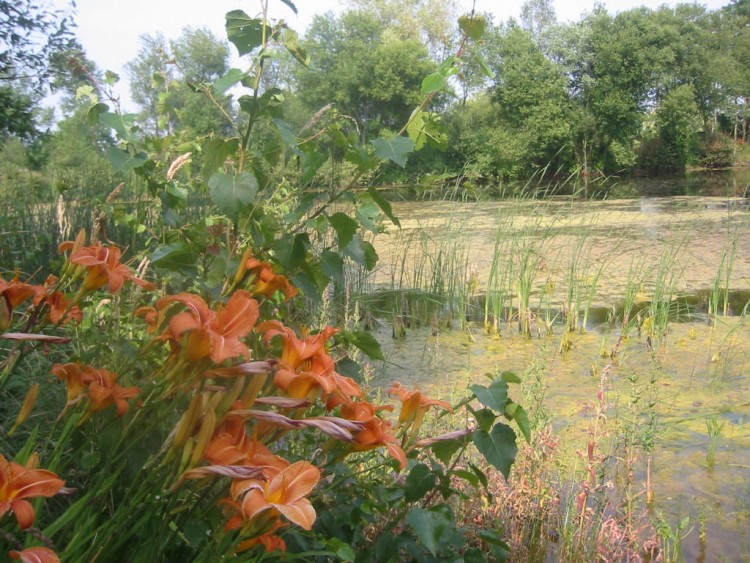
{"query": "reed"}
(713, 428)
(719, 298)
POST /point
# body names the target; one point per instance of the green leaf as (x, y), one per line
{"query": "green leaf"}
(474, 555)
(291, 252)
(384, 205)
(333, 266)
(290, 5)
(498, 447)
(486, 70)
(244, 32)
(343, 551)
(467, 476)
(500, 549)
(364, 341)
(228, 80)
(510, 377)
(121, 123)
(424, 127)
(522, 419)
(495, 396)
(433, 526)
(95, 112)
(420, 481)
(485, 418)
(311, 163)
(480, 475)
(176, 257)
(345, 228)
(362, 252)
(473, 26)
(349, 368)
(122, 161)
(449, 66)
(232, 194)
(177, 192)
(434, 82)
(395, 149)
(288, 135)
(444, 450)
(290, 38)
(215, 152)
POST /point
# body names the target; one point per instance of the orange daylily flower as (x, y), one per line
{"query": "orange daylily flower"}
(104, 392)
(100, 385)
(285, 494)
(35, 555)
(415, 403)
(202, 332)
(232, 446)
(305, 365)
(12, 294)
(18, 483)
(105, 268)
(376, 432)
(265, 281)
(270, 541)
(60, 309)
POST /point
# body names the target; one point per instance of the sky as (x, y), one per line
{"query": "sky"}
(110, 29)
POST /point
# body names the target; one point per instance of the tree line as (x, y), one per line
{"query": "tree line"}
(638, 91)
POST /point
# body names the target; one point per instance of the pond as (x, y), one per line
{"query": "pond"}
(645, 298)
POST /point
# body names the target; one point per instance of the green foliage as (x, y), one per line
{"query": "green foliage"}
(32, 35)
(376, 81)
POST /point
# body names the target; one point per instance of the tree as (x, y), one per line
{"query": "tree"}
(166, 78)
(30, 36)
(532, 97)
(33, 43)
(430, 22)
(148, 74)
(16, 113)
(375, 81)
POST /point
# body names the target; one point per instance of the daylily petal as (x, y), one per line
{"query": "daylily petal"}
(35, 555)
(239, 315)
(37, 483)
(253, 503)
(297, 480)
(301, 512)
(24, 513)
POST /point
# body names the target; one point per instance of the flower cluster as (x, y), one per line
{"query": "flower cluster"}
(99, 385)
(246, 381)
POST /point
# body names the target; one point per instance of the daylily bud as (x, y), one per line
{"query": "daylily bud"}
(26, 408)
(208, 425)
(189, 420)
(6, 313)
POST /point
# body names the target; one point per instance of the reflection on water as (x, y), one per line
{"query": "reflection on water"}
(671, 389)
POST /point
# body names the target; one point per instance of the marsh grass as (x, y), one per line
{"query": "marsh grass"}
(713, 428)
(719, 298)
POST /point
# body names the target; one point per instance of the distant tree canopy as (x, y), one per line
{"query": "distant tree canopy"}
(34, 44)
(642, 89)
